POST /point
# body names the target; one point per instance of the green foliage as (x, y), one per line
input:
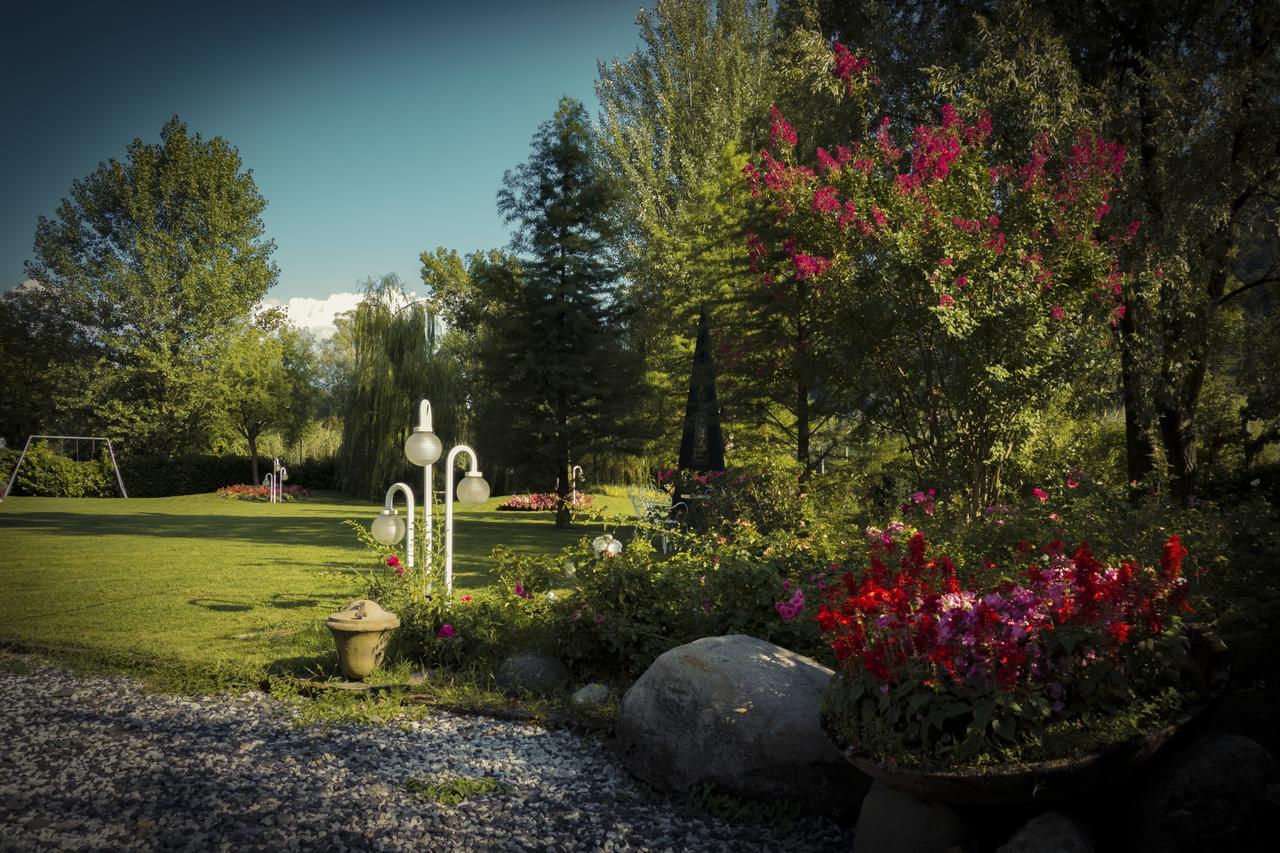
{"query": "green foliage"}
(397, 363)
(453, 790)
(148, 259)
(542, 333)
(253, 385)
(678, 116)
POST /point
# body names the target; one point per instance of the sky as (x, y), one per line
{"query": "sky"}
(375, 130)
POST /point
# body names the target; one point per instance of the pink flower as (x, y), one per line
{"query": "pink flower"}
(946, 300)
(466, 599)
(962, 280)
(445, 632)
(1057, 312)
(393, 561)
(825, 200)
(1071, 484)
(1040, 494)
(780, 131)
(521, 591)
(944, 262)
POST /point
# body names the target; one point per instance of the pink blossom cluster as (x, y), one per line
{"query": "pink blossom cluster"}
(540, 501)
(243, 492)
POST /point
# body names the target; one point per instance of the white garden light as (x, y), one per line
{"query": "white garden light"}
(472, 489)
(388, 528)
(423, 447)
(606, 546)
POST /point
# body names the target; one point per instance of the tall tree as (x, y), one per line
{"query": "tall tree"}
(559, 371)
(150, 258)
(678, 117)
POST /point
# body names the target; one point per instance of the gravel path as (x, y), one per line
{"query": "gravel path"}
(94, 763)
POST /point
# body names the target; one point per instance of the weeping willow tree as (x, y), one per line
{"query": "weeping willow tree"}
(398, 362)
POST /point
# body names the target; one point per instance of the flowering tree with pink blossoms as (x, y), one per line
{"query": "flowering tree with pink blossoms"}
(952, 284)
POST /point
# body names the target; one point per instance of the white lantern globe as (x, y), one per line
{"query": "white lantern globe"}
(473, 489)
(388, 528)
(422, 447)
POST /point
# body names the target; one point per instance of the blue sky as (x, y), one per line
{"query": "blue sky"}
(375, 130)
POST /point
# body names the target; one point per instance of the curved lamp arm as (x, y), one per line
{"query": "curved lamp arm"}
(448, 509)
(424, 415)
(389, 503)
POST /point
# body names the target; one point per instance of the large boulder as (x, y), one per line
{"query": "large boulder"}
(741, 714)
(1213, 796)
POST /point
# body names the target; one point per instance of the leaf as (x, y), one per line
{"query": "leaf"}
(1006, 728)
(982, 715)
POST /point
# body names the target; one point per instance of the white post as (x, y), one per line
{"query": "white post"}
(424, 420)
(408, 499)
(577, 472)
(448, 511)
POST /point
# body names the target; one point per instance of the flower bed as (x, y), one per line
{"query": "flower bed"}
(544, 501)
(936, 671)
(261, 493)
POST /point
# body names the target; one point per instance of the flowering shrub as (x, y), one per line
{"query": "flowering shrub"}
(967, 278)
(261, 493)
(544, 501)
(954, 668)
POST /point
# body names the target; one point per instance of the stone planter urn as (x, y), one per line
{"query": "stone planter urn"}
(361, 631)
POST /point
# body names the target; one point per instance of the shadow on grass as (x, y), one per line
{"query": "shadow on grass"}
(289, 602)
(220, 605)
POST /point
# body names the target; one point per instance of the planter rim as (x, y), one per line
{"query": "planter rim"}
(362, 616)
(1054, 778)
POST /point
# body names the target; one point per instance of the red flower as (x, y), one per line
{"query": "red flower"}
(1171, 560)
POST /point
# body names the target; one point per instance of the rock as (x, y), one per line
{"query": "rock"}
(741, 714)
(1213, 796)
(594, 693)
(1051, 832)
(895, 822)
(532, 672)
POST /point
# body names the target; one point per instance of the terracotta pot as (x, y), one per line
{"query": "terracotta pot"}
(1040, 781)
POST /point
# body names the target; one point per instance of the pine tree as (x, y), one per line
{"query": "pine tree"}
(559, 375)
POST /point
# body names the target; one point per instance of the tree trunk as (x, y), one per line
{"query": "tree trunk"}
(1137, 445)
(802, 428)
(562, 494)
(1177, 436)
(253, 455)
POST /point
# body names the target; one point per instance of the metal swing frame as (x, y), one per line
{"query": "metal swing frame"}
(111, 450)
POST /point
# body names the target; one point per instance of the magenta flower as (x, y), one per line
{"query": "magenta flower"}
(445, 632)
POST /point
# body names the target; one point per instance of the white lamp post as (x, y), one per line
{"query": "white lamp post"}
(388, 528)
(573, 484)
(472, 490)
(423, 447)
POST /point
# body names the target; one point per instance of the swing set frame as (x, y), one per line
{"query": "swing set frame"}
(77, 438)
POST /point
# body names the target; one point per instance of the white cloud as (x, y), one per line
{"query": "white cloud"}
(316, 315)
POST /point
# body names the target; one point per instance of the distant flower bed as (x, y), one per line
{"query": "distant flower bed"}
(544, 501)
(261, 493)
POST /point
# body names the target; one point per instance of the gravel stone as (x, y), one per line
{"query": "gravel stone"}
(96, 763)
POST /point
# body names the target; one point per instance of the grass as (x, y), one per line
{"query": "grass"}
(202, 583)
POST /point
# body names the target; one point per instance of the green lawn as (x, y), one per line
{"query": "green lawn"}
(201, 579)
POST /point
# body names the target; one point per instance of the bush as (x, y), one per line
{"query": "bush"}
(199, 473)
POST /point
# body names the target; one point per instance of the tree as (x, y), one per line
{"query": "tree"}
(558, 373)
(253, 385)
(397, 362)
(1189, 87)
(677, 117)
(963, 282)
(149, 259)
